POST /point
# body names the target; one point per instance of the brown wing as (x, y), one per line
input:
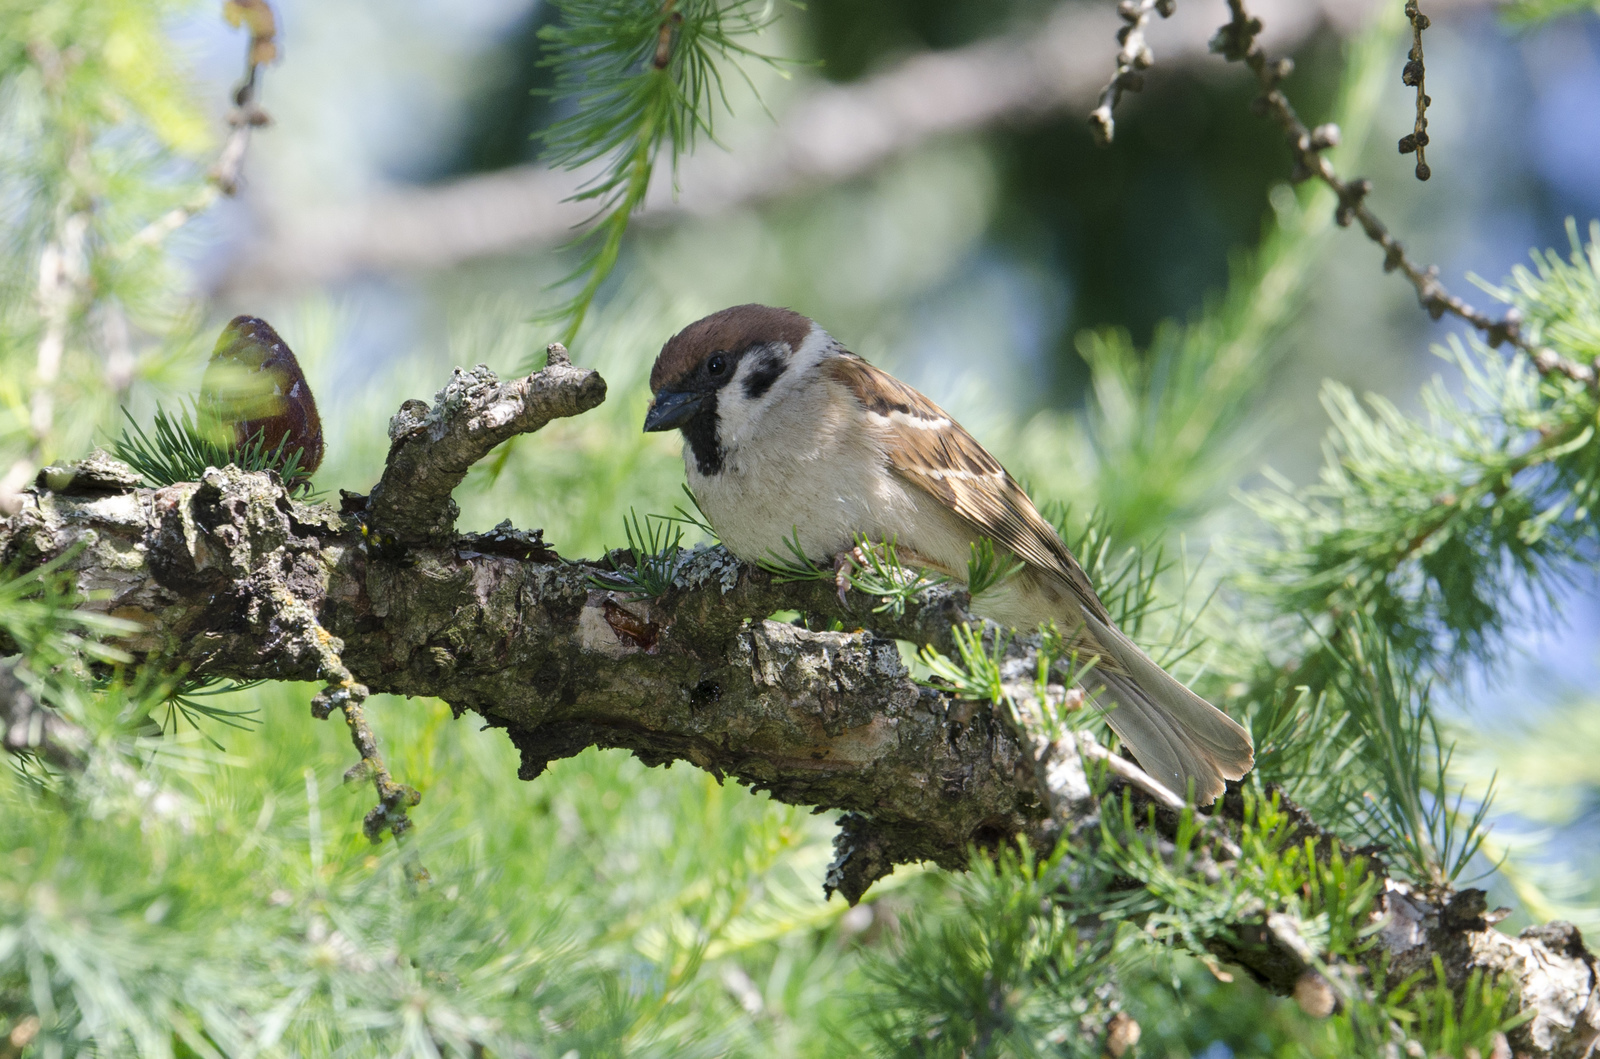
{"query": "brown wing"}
(931, 450)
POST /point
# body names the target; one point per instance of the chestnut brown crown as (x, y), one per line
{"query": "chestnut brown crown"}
(733, 331)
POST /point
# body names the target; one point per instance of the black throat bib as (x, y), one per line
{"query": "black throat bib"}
(701, 433)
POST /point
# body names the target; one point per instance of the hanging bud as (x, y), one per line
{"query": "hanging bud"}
(257, 17)
(1315, 995)
(254, 385)
(1324, 136)
(1122, 1035)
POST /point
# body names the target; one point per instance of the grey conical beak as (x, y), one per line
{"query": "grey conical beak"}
(672, 410)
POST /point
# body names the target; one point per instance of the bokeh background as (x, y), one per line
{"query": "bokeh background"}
(972, 263)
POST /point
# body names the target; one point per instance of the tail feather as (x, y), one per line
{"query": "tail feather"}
(1175, 734)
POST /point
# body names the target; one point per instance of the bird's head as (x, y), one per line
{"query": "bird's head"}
(716, 374)
(748, 347)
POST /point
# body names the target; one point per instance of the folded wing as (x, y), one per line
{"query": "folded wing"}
(1176, 735)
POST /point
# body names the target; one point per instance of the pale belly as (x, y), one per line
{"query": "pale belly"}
(760, 507)
(817, 480)
(764, 507)
(823, 490)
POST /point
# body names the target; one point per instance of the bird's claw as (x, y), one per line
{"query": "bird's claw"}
(844, 565)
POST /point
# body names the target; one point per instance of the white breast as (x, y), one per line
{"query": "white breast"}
(806, 462)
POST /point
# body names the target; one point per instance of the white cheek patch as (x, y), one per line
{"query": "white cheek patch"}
(746, 409)
(815, 346)
(733, 414)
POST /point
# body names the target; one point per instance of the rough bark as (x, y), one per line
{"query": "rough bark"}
(234, 578)
(431, 450)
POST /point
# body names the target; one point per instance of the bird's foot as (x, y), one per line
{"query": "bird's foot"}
(845, 564)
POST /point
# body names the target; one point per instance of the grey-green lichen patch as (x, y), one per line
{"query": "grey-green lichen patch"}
(119, 567)
(116, 509)
(707, 565)
(99, 472)
(318, 519)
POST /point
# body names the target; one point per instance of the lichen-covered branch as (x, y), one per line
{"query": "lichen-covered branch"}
(232, 577)
(344, 693)
(431, 449)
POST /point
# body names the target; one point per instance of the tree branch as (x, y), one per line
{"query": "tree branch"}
(431, 450)
(65, 268)
(1415, 74)
(1133, 58)
(246, 115)
(1237, 41)
(234, 578)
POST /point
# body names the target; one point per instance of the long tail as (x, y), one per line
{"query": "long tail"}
(1176, 735)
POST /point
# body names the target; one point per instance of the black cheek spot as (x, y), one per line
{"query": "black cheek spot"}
(766, 372)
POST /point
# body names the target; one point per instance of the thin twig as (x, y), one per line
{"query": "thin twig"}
(1235, 41)
(63, 268)
(1130, 773)
(670, 21)
(1415, 75)
(246, 116)
(344, 693)
(1134, 58)
(63, 276)
(63, 283)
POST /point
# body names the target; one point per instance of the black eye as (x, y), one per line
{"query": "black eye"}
(717, 364)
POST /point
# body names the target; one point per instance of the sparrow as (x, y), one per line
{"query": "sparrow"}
(788, 436)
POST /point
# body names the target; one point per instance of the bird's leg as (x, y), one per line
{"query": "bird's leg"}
(906, 569)
(844, 564)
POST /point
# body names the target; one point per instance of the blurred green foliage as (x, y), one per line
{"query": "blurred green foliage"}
(1537, 12)
(99, 136)
(226, 900)
(1137, 234)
